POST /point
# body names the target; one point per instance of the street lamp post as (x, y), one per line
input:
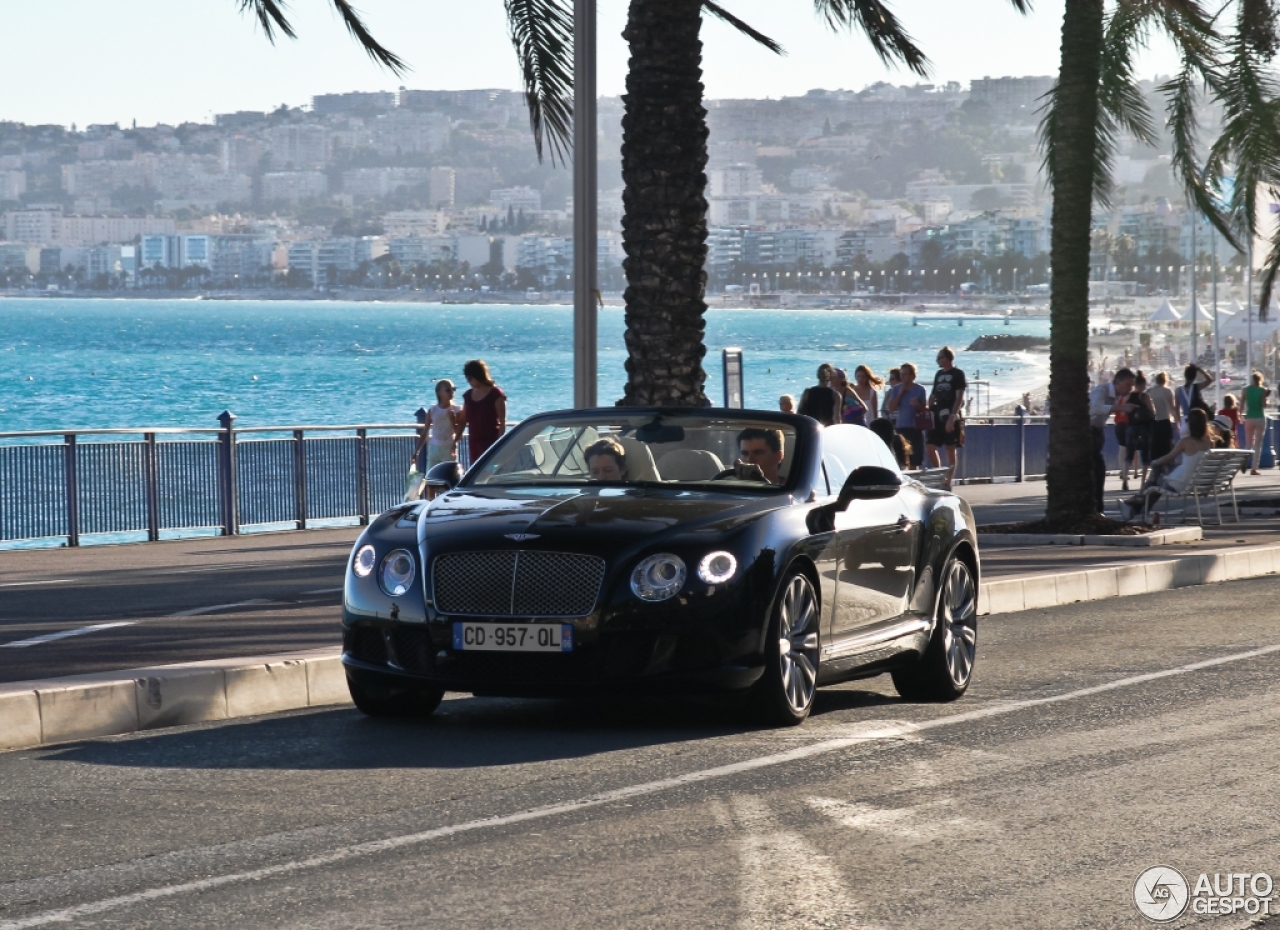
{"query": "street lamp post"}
(585, 289)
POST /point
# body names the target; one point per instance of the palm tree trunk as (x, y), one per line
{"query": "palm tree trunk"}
(1070, 472)
(664, 230)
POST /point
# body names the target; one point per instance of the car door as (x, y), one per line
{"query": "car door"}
(876, 542)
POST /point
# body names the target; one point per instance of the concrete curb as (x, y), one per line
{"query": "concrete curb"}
(61, 710)
(1176, 534)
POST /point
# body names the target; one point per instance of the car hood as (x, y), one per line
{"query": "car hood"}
(555, 516)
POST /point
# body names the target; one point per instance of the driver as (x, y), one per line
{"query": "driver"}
(606, 460)
(762, 447)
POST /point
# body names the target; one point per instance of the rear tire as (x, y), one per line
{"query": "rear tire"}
(945, 669)
(379, 700)
(784, 694)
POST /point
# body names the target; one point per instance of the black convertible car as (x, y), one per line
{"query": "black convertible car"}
(672, 550)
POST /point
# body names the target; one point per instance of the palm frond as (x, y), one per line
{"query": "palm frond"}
(373, 48)
(1249, 140)
(542, 33)
(887, 35)
(746, 29)
(270, 16)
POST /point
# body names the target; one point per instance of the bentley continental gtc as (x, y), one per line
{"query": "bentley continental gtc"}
(680, 551)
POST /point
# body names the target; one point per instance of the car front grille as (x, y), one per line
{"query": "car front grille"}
(517, 584)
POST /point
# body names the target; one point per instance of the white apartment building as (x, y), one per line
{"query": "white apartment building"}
(733, 181)
(15, 257)
(324, 261)
(294, 186)
(299, 147)
(516, 198)
(363, 184)
(441, 186)
(403, 223)
(48, 225)
(13, 184)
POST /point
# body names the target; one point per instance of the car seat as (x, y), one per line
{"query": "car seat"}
(690, 465)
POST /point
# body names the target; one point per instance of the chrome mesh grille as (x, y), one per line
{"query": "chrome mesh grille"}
(517, 584)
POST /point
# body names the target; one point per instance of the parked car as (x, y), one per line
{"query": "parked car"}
(734, 550)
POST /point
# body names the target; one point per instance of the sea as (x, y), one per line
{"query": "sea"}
(71, 363)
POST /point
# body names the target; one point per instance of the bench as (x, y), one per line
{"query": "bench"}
(1215, 476)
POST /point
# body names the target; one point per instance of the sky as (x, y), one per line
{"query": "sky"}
(105, 61)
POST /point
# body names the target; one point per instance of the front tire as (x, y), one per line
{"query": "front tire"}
(784, 695)
(383, 700)
(944, 671)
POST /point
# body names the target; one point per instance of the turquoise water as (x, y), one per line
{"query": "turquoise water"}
(80, 364)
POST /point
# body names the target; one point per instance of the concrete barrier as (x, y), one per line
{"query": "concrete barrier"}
(42, 713)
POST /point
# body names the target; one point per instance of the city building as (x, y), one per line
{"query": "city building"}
(294, 186)
(13, 184)
(517, 199)
(355, 102)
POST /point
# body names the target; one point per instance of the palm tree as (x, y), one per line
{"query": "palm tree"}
(1095, 98)
(664, 153)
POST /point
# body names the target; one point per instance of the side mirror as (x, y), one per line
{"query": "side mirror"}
(443, 477)
(870, 483)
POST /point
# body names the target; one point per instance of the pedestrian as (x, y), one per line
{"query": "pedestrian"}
(908, 404)
(1166, 408)
(787, 403)
(1255, 417)
(439, 430)
(1165, 475)
(946, 403)
(1107, 399)
(1137, 445)
(1189, 395)
(851, 409)
(821, 401)
(866, 386)
(898, 445)
(484, 409)
(895, 378)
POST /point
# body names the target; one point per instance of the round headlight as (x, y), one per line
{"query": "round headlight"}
(717, 567)
(397, 572)
(362, 564)
(658, 577)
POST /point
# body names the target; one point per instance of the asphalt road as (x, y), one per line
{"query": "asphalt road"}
(101, 608)
(1097, 740)
(107, 607)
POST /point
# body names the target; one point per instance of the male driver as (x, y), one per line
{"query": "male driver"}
(762, 447)
(1105, 400)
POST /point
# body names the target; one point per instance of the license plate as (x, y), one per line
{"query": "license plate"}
(513, 637)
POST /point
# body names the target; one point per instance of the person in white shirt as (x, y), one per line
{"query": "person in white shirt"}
(438, 432)
(1104, 401)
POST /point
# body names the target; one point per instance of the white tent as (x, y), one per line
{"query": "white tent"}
(1237, 327)
(1199, 313)
(1167, 313)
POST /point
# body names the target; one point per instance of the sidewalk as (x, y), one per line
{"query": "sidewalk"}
(44, 712)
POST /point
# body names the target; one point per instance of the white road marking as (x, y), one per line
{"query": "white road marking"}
(197, 611)
(918, 823)
(64, 634)
(24, 584)
(868, 733)
(337, 590)
(778, 893)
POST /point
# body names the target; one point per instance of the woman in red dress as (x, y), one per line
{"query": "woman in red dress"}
(484, 409)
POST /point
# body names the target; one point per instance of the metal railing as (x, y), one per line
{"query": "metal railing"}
(127, 481)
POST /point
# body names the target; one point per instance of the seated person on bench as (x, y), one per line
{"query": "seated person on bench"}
(1164, 474)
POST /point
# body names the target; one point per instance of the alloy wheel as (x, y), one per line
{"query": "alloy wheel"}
(958, 614)
(798, 643)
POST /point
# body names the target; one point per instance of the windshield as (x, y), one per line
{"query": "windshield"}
(731, 452)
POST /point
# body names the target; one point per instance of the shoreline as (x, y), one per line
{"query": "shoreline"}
(995, 311)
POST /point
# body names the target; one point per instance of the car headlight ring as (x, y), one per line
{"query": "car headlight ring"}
(397, 572)
(717, 567)
(363, 562)
(658, 577)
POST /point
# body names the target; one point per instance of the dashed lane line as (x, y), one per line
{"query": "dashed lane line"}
(97, 627)
(868, 732)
